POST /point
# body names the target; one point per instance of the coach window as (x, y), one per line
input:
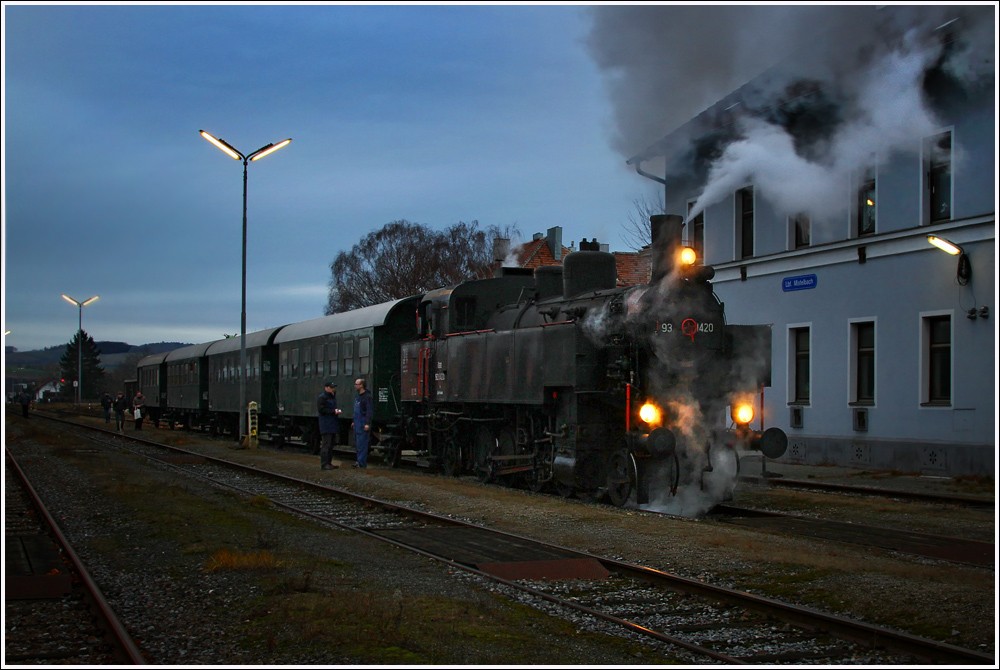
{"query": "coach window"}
(364, 354)
(744, 223)
(348, 357)
(284, 364)
(306, 361)
(256, 367)
(293, 361)
(799, 365)
(937, 177)
(320, 370)
(936, 360)
(863, 363)
(334, 362)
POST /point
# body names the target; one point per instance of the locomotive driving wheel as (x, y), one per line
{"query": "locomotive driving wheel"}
(451, 459)
(393, 450)
(621, 477)
(483, 450)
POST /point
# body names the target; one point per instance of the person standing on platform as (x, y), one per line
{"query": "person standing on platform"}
(121, 406)
(364, 410)
(326, 407)
(25, 400)
(106, 403)
(139, 409)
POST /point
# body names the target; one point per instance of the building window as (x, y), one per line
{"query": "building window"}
(744, 223)
(800, 226)
(863, 363)
(936, 360)
(799, 365)
(937, 175)
(696, 233)
(865, 206)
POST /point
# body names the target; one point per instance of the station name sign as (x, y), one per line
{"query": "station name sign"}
(799, 283)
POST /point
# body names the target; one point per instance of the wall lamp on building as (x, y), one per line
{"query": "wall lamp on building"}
(964, 274)
(964, 266)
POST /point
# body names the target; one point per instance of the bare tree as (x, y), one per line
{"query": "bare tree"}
(636, 233)
(403, 259)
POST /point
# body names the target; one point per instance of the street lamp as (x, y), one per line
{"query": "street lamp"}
(79, 344)
(256, 155)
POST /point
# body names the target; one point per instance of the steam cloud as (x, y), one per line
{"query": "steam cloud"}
(857, 72)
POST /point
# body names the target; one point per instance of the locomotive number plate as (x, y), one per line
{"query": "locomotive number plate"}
(686, 327)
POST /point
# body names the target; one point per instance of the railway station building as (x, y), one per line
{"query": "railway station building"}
(883, 351)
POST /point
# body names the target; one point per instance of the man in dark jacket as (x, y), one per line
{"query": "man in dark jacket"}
(121, 406)
(25, 400)
(106, 404)
(364, 410)
(326, 407)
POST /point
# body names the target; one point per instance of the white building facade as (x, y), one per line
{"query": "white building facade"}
(883, 346)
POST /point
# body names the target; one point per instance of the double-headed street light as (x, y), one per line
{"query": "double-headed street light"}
(79, 348)
(257, 155)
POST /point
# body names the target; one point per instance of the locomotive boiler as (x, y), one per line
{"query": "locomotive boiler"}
(561, 378)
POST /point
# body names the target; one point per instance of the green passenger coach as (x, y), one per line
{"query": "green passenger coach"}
(363, 343)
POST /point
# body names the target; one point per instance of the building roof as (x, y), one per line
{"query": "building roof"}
(634, 267)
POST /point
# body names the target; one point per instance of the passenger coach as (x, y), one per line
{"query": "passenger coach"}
(224, 378)
(341, 347)
(151, 380)
(187, 386)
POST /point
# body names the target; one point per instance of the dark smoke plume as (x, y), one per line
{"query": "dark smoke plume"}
(666, 64)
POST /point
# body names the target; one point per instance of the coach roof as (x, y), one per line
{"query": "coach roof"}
(154, 359)
(366, 317)
(184, 353)
(260, 338)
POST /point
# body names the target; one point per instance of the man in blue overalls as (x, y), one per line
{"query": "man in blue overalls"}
(364, 409)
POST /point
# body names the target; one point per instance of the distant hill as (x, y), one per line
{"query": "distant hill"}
(110, 352)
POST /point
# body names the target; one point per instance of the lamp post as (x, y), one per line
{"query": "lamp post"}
(79, 344)
(256, 155)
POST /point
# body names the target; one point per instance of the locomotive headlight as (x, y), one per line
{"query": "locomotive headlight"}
(650, 413)
(688, 256)
(742, 412)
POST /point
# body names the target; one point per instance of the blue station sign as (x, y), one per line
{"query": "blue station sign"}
(799, 283)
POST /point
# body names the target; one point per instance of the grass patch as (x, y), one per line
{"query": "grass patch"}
(228, 559)
(391, 627)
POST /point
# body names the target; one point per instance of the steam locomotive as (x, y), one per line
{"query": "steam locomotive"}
(564, 379)
(552, 378)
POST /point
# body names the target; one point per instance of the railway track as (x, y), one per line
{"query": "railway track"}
(47, 584)
(826, 487)
(707, 622)
(954, 549)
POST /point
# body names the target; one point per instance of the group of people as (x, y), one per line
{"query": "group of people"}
(121, 405)
(364, 410)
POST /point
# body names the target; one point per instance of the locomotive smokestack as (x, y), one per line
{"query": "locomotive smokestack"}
(665, 230)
